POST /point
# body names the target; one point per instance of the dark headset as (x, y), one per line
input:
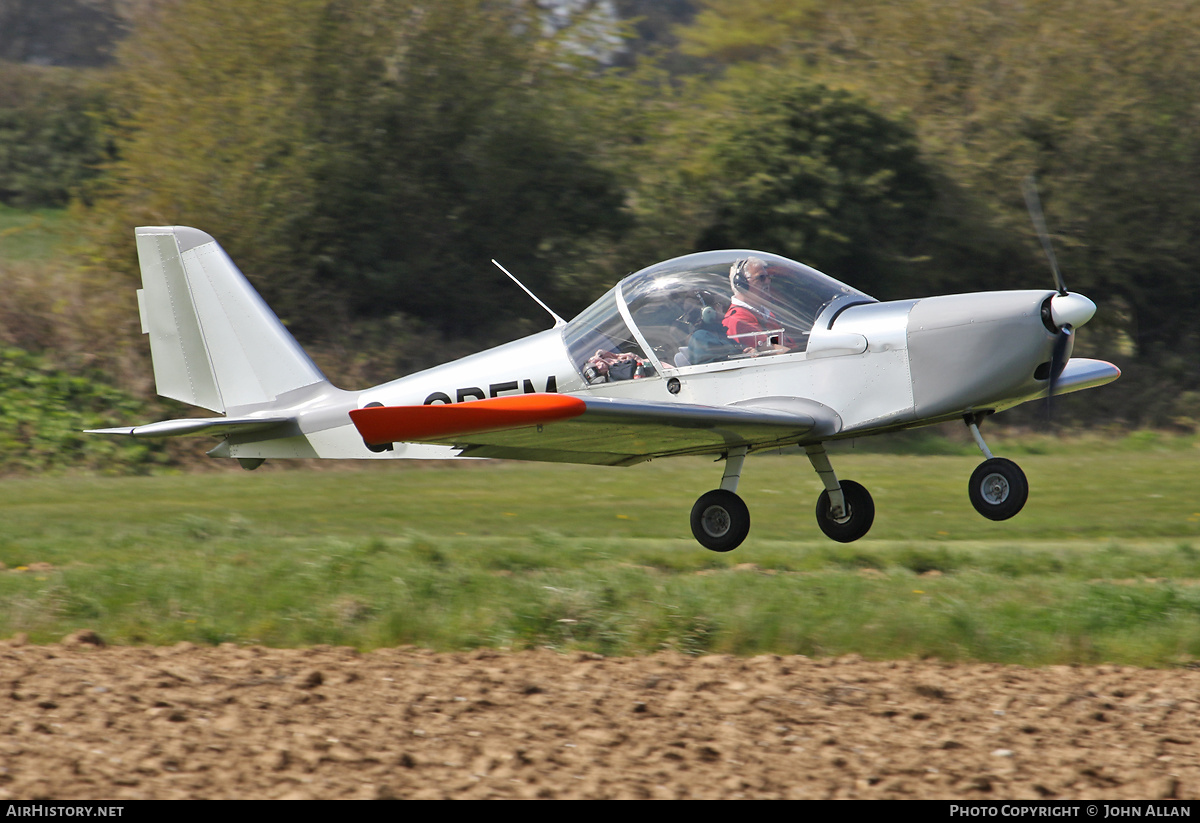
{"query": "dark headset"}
(737, 275)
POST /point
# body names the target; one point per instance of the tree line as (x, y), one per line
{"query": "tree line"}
(362, 161)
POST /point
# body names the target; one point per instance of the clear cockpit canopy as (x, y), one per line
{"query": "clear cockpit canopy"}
(684, 312)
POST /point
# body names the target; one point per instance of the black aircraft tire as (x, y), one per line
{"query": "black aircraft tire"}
(720, 520)
(861, 511)
(998, 488)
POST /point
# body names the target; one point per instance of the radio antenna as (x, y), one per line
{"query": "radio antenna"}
(558, 321)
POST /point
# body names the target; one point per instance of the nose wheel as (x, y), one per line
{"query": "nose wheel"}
(998, 488)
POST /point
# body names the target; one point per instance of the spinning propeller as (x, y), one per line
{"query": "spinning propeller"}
(1064, 311)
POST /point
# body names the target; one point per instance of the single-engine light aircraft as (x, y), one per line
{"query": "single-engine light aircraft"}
(719, 353)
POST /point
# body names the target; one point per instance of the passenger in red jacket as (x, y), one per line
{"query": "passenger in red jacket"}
(749, 322)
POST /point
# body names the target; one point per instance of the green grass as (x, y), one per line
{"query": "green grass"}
(32, 234)
(1103, 564)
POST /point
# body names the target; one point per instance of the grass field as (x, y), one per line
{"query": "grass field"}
(31, 234)
(1102, 565)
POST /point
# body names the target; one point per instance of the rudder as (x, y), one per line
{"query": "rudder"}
(214, 342)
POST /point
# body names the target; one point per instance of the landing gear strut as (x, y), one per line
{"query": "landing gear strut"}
(845, 510)
(998, 488)
(720, 519)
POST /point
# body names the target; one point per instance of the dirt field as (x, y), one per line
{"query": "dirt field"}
(80, 721)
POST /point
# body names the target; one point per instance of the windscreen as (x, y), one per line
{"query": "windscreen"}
(727, 305)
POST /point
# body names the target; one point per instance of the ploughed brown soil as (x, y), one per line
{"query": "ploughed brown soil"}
(85, 722)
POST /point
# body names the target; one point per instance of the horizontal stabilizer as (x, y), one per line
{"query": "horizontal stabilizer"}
(219, 426)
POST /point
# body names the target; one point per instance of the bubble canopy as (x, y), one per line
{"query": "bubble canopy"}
(685, 312)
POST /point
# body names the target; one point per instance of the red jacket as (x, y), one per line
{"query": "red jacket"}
(741, 320)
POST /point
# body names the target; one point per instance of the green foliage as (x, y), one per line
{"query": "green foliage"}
(210, 132)
(1099, 99)
(363, 159)
(445, 142)
(43, 412)
(818, 175)
(31, 234)
(731, 31)
(51, 137)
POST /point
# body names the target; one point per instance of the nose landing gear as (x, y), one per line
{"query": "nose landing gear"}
(998, 488)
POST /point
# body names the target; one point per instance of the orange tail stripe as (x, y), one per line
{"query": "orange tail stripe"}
(398, 424)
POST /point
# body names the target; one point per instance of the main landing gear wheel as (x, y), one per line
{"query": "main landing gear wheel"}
(720, 520)
(998, 488)
(860, 513)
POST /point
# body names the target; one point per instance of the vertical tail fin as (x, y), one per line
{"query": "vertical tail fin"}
(213, 340)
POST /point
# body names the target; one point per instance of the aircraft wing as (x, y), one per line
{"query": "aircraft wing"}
(570, 429)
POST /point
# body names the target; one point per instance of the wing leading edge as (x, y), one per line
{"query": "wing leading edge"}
(571, 429)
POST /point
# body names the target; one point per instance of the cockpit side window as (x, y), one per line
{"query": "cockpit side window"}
(602, 347)
(680, 317)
